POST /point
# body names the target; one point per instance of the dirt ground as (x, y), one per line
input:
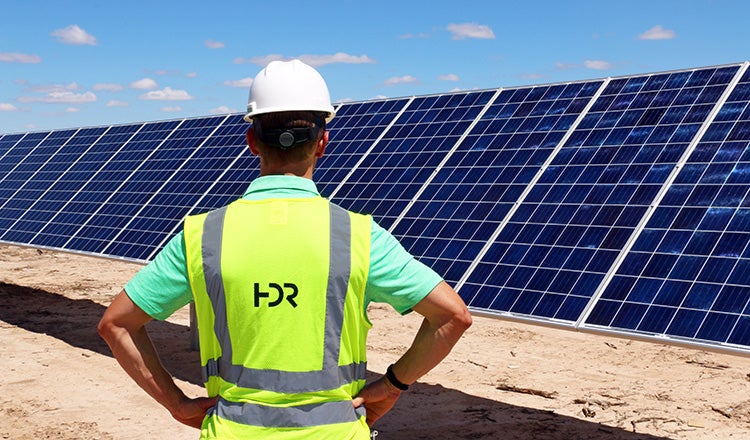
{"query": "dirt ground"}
(504, 380)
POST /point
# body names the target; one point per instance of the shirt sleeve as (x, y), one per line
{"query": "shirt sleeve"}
(396, 277)
(162, 286)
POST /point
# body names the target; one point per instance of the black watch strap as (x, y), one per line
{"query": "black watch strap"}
(393, 380)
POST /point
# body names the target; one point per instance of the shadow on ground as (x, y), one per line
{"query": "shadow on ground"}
(74, 322)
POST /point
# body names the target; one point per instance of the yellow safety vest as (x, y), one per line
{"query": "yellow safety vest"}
(279, 288)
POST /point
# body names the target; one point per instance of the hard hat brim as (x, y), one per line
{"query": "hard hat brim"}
(330, 113)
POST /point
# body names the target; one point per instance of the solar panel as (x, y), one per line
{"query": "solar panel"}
(356, 128)
(127, 178)
(7, 142)
(410, 150)
(33, 203)
(83, 188)
(238, 167)
(450, 221)
(615, 205)
(20, 179)
(687, 275)
(549, 259)
(13, 158)
(162, 190)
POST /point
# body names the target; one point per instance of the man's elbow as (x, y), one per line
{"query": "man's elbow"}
(108, 328)
(121, 316)
(462, 320)
(105, 328)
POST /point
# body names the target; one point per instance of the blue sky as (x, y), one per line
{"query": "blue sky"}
(71, 64)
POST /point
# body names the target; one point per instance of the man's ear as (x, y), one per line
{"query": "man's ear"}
(250, 137)
(320, 149)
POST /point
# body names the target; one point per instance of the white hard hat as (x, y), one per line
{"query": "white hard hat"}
(288, 86)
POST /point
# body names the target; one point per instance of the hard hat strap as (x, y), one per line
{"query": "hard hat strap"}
(288, 138)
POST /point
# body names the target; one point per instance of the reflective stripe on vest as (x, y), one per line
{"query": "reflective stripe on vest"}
(300, 416)
(331, 376)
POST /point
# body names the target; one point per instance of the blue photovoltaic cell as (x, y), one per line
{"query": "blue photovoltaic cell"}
(549, 260)
(84, 187)
(408, 153)
(353, 130)
(463, 206)
(35, 201)
(688, 273)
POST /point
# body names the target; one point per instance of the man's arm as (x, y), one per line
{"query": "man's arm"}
(123, 328)
(446, 317)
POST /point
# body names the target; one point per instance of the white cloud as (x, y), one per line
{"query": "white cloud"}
(144, 84)
(313, 60)
(243, 83)
(50, 88)
(657, 33)
(564, 66)
(72, 110)
(116, 103)
(70, 97)
(108, 87)
(74, 35)
(192, 75)
(463, 31)
(61, 97)
(173, 109)
(168, 94)
(164, 72)
(213, 44)
(340, 57)
(221, 110)
(13, 57)
(597, 64)
(7, 107)
(406, 79)
(449, 77)
(410, 36)
(260, 61)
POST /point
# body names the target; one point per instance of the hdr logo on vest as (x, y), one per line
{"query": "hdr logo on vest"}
(280, 294)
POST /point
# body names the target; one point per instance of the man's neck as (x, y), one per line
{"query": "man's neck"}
(307, 174)
(295, 169)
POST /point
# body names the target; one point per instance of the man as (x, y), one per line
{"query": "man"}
(281, 280)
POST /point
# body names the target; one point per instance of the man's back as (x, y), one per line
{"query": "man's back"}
(279, 291)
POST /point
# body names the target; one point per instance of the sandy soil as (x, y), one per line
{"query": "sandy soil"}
(504, 380)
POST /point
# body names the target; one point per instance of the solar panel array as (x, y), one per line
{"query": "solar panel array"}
(613, 205)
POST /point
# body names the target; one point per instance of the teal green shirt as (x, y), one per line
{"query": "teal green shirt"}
(395, 276)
